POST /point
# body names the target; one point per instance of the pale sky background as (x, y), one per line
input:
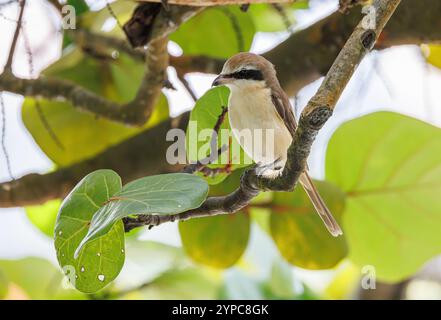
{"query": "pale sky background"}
(397, 79)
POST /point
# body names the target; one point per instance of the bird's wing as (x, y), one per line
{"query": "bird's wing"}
(283, 107)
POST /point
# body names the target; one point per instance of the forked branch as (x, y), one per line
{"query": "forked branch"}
(313, 117)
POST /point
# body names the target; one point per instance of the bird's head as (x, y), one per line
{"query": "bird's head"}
(245, 70)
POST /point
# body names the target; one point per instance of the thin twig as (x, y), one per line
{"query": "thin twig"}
(112, 13)
(187, 86)
(215, 152)
(8, 65)
(38, 107)
(3, 137)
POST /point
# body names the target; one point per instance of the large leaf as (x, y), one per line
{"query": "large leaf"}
(203, 119)
(218, 32)
(267, 18)
(44, 216)
(82, 134)
(390, 167)
(36, 279)
(180, 284)
(100, 260)
(162, 194)
(300, 234)
(217, 241)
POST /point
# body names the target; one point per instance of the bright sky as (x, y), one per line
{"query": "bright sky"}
(397, 79)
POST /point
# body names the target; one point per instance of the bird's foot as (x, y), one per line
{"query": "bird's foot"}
(271, 170)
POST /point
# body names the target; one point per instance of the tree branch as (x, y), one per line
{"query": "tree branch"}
(299, 60)
(124, 158)
(314, 116)
(307, 54)
(136, 112)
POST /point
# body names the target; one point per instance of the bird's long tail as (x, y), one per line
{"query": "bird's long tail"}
(319, 205)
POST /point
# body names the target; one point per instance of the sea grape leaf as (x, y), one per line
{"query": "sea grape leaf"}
(99, 261)
(389, 165)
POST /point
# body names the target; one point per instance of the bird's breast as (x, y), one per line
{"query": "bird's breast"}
(257, 126)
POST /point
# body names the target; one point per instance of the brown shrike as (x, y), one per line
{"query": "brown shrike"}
(258, 104)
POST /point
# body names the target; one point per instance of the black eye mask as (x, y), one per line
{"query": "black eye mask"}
(247, 74)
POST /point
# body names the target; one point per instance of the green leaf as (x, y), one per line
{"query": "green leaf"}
(99, 261)
(95, 20)
(267, 19)
(217, 241)
(218, 32)
(203, 119)
(36, 278)
(433, 54)
(299, 232)
(82, 134)
(4, 284)
(44, 216)
(79, 5)
(157, 195)
(181, 284)
(390, 167)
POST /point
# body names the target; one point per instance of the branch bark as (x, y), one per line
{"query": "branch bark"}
(124, 158)
(313, 117)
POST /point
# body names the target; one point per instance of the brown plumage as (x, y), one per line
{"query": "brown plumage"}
(256, 96)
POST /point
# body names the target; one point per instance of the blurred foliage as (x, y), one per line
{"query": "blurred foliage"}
(433, 54)
(217, 241)
(82, 134)
(384, 186)
(44, 216)
(267, 18)
(200, 35)
(391, 177)
(300, 234)
(34, 278)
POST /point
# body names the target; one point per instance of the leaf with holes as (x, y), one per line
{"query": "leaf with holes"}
(392, 178)
(203, 119)
(299, 232)
(82, 135)
(100, 260)
(217, 32)
(217, 241)
(157, 195)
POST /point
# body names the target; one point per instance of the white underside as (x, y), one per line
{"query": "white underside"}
(257, 126)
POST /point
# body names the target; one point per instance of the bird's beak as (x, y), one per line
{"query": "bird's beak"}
(221, 80)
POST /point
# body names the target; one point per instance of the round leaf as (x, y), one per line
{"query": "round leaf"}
(218, 32)
(217, 241)
(162, 194)
(44, 216)
(81, 134)
(101, 260)
(203, 119)
(390, 167)
(299, 232)
(433, 54)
